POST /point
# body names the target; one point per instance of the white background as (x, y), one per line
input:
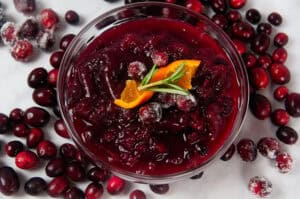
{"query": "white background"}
(223, 179)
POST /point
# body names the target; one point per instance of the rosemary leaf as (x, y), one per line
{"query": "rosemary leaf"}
(167, 90)
(148, 77)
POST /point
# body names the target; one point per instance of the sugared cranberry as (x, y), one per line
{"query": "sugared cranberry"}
(243, 30)
(264, 28)
(249, 60)
(136, 70)
(4, 123)
(9, 181)
(281, 39)
(253, 16)
(25, 6)
(186, 103)
(26, 160)
(160, 189)
(61, 129)
(65, 41)
(259, 78)
(292, 104)
(74, 193)
(260, 43)
(16, 115)
(287, 135)
(34, 137)
(29, 29)
(58, 186)
(275, 18)
(137, 194)
(68, 151)
(48, 18)
(72, 17)
(237, 4)
(284, 162)
(55, 167)
(264, 61)
(198, 176)
(150, 113)
(279, 55)
(194, 5)
(260, 106)
(229, 153)
(20, 130)
(12, 148)
(52, 77)
(36, 117)
(44, 96)
(115, 185)
(45, 40)
(268, 147)
(220, 20)
(22, 50)
(281, 93)
(8, 33)
(247, 150)
(280, 117)
(233, 16)
(35, 186)
(46, 149)
(75, 171)
(94, 191)
(159, 58)
(37, 78)
(260, 186)
(97, 174)
(55, 58)
(219, 6)
(280, 74)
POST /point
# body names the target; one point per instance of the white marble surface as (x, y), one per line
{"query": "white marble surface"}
(221, 180)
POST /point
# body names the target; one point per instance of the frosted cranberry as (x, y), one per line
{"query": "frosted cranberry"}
(280, 117)
(253, 16)
(219, 6)
(268, 147)
(264, 28)
(20, 130)
(150, 113)
(281, 39)
(260, 186)
(229, 153)
(29, 29)
(247, 150)
(287, 135)
(259, 78)
(55, 58)
(45, 40)
(260, 43)
(284, 162)
(280, 74)
(35, 186)
(65, 41)
(8, 33)
(198, 176)
(281, 93)
(55, 167)
(44, 96)
(233, 16)
(34, 137)
(260, 106)
(58, 186)
(249, 60)
(52, 77)
(136, 70)
(72, 17)
(74, 193)
(93, 191)
(25, 6)
(160, 189)
(243, 30)
(61, 129)
(159, 58)
(75, 171)
(4, 123)
(137, 194)
(264, 61)
(9, 181)
(26, 160)
(221, 21)
(37, 78)
(97, 174)
(46, 149)
(36, 117)
(237, 4)
(186, 103)
(292, 104)
(279, 55)
(167, 100)
(12, 148)
(194, 5)
(22, 50)
(275, 18)
(115, 185)
(16, 115)
(68, 151)
(48, 18)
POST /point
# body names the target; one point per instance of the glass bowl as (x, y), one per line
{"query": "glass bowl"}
(140, 11)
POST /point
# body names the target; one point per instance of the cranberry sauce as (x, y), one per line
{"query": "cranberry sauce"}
(184, 137)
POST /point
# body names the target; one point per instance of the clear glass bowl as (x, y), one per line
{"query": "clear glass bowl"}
(139, 11)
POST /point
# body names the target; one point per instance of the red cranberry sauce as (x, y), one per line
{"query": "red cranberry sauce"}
(180, 140)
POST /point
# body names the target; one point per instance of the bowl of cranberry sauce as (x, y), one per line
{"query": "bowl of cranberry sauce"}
(153, 92)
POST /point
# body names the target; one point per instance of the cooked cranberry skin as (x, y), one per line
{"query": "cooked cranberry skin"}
(243, 30)
(26, 160)
(260, 106)
(160, 189)
(34, 137)
(68, 151)
(37, 78)
(249, 60)
(35, 186)
(279, 55)
(268, 147)
(36, 117)
(94, 191)
(97, 174)
(9, 181)
(259, 78)
(253, 16)
(275, 18)
(12, 148)
(61, 129)
(115, 185)
(229, 153)
(260, 43)
(45, 96)
(56, 58)
(260, 186)
(55, 167)
(281, 39)
(239, 46)
(198, 176)
(287, 135)
(233, 16)
(221, 21)
(72, 17)
(219, 6)
(247, 150)
(264, 28)
(16, 115)
(4, 123)
(20, 130)
(46, 149)
(65, 41)
(284, 162)
(74, 193)
(75, 171)
(280, 117)
(137, 194)
(52, 77)
(58, 186)
(48, 18)
(264, 61)
(292, 104)
(281, 93)
(280, 74)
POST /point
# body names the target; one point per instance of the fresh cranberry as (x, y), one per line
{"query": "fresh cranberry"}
(284, 162)
(150, 113)
(68, 151)
(281, 39)
(264, 61)
(275, 18)
(65, 41)
(20, 130)
(74, 193)
(26, 160)
(229, 153)
(194, 5)
(44, 96)
(281, 93)
(48, 18)
(292, 104)
(264, 28)
(34, 137)
(253, 16)
(280, 117)
(22, 50)
(259, 78)
(233, 16)
(280, 74)
(9, 181)
(268, 147)
(287, 135)
(61, 129)
(160, 189)
(4, 123)
(97, 174)
(220, 20)
(260, 43)
(247, 150)
(137, 194)
(260, 186)
(8, 33)
(136, 70)
(55, 58)
(219, 6)
(52, 77)
(58, 186)
(72, 17)
(198, 176)
(46, 149)
(94, 191)
(186, 103)
(12, 148)
(45, 40)
(75, 171)
(35, 186)
(37, 78)
(260, 106)
(249, 60)
(243, 30)
(55, 167)
(16, 115)
(115, 185)
(25, 6)
(237, 4)
(36, 117)
(279, 55)
(29, 29)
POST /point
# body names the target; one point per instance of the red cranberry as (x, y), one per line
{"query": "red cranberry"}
(259, 78)
(260, 43)
(237, 4)
(74, 193)
(61, 129)
(247, 150)
(281, 93)
(260, 186)
(35, 186)
(26, 160)
(25, 6)
(37, 78)
(136, 70)
(195, 5)
(45, 40)
(44, 96)
(249, 60)
(65, 41)
(97, 174)
(9, 181)
(150, 113)
(292, 104)
(29, 29)
(275, 18)
(75, 171)
(264, 61)
(160, 189)
(221, 21)
(186, 103)
(284, 162)
(68, 151)
(159, 58)
(264, 28)
(49, 18)
(34, 137)
(55, 167)
(253, 16)
(243, 30)
(229, 153)
(12, 148)
(36, 117)
(20, 130)
(279, 55)
(280, 74)
(93, 191)
(281, 39)
(22, 50)
(280, 117)
(4, 123)
(16, 115)
(46, 149)
(219, 6)
(137, 194)
(268, 147)
(8, 33)
(198, 176)
(260, 106)
(56, 58)
(233, 16)
(115, 185)
(58, 186)
(287, 135)
(52, 77)
(72, 17)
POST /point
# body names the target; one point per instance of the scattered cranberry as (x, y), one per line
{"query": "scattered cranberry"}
(45, 40)
(48, 18)
(55, 167)
(115, 185)
(229, 153)
(287, 135)
(72, 17)
(8, 33)
(52, 77)
(239, 46)
(9, 181)
(137, 194)
(292, 104)
(253, 16)
(268, 147)
(37, 78)
(56, 58)
(280, 74)
(61, 129)
(25, 6)
(275, 18)
(281, 39)
(58, 186)
(20, 130)
(12, 148)
(97, 175)
(237, 4)
(279, 55)
(243, 30)
(260, 43)
(259, 78)
(74, 193)
(36, 117)
(280, 117)
(247, 150)
(4, 123)
(194, 5)
(34, 137)
(150, 113)
(136, 70)
(198, 176)
(65, 41)
(221, 21)
(160, 189)
(219, 6)
(44, 96)
(284, 162)
(29, 29)
(186, 103)
(46, 149)
(249, 60)
(16, 115)
(264, 28)
(26, 160)
(22, 50)
(281, 93)
(260, 186)
(75, 171)
(94, 191)
(233, 16)
(35, 186)
(264, 61)
(260, 106)
(68, 151)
